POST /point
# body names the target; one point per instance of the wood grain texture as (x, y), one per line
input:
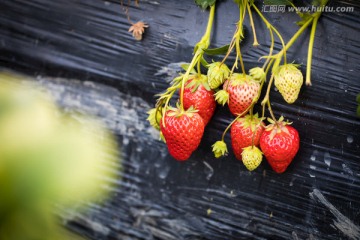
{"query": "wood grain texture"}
(81, 52)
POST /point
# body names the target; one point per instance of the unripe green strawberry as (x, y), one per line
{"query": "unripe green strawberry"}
(243, 91)
(288, 80)
(258, 74)
(217, 73)
(252, 157)
(182, 131)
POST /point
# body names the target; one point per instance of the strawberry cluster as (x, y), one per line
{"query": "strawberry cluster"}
(182, 127)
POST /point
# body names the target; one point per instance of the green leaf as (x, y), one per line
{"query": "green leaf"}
(206, 86)
(192, 84)
(205, 3)
(278, 2)
(217, 51)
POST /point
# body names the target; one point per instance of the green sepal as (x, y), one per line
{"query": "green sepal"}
(205, 3)
(206, 86)
(154, 117)
(222, 97)
(192, 84)
(195, 88)
(219, 149)
(204, 62)
(186, 66)
(196, 82)
(217, 51)
(161, 137)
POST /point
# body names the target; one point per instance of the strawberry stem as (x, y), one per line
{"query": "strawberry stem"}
(256, 43)
(271, 111)
(270, 52)
(311, 44)
(310, 50)
(235, 42)
(199, 52)
(238, 39)
(271, 28)
(186, 77)
(291, 42)
(237, 117)
(266, 98)
(199, 68)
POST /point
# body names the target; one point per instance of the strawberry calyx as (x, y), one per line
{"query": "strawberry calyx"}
(237, 79)
(219, 149)
(252, 121)
(277, 127)
(194, 82)
(178, 112)
(286, 67)
(222, 97)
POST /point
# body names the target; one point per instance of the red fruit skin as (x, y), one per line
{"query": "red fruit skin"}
(281, 150)
(202, 100)
(241, 137)
(182, 134)
(241, 96)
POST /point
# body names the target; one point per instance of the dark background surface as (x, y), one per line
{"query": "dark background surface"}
(81, 52)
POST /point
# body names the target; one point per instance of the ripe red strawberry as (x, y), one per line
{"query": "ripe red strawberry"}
(243, 131)
(182, 131)
(243, 90)
(279, 143)
(198, 94)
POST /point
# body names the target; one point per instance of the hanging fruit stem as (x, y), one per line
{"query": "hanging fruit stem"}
(237, 117)
(271, 30)
(256, 43)
(199, 51)
(235, 42)
(270, 51)
(310, 51)
(275, 62)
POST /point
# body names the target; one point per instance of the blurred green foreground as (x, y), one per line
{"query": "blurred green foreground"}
(47, 159)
